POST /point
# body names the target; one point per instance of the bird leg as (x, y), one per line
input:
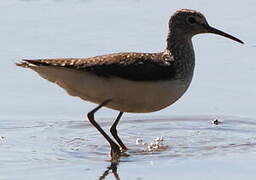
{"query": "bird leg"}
(114, 132)
(114, 147)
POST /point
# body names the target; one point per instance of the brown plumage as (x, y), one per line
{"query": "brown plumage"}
(132, 66)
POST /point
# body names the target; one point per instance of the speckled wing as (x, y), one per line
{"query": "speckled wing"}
(132, 66)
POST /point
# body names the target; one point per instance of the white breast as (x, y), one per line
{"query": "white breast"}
(125, 95)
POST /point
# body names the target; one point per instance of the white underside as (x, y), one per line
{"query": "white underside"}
(125, 95)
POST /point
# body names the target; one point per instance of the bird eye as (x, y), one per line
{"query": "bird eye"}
(191, 20)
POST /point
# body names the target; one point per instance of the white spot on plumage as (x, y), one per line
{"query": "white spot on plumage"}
(72, 62)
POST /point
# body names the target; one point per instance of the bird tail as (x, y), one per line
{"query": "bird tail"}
(26, 63)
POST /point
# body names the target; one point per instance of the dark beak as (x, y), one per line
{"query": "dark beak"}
(216, 31)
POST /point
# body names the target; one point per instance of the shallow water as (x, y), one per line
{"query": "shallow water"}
(44, 133)
(73, 149)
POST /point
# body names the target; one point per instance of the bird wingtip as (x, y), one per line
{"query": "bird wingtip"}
(25, 63)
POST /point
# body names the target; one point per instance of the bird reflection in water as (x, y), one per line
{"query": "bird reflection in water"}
(111, 169)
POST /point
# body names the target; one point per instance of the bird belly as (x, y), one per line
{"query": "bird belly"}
(125, 95)
(145, 96)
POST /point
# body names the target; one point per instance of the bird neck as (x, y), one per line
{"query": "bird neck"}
(181, 48)
(177, 42)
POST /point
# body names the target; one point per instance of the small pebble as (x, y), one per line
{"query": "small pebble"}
(216, 122)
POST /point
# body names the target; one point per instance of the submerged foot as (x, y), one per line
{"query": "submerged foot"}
(116, 153)
(123, 149)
